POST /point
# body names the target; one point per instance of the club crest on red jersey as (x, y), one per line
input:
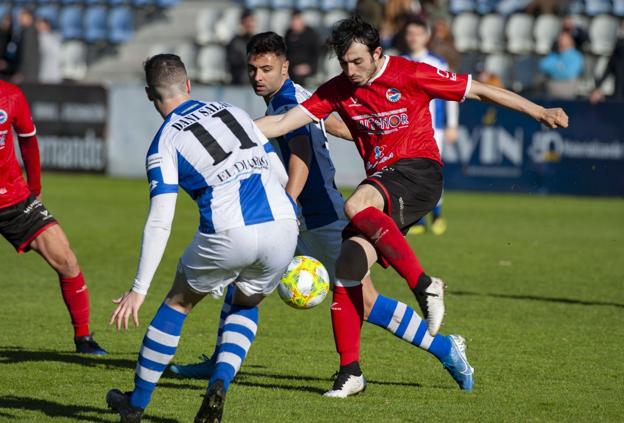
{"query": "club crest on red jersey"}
(393, 95)
(3, 116)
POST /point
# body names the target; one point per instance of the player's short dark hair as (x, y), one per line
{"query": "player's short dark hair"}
(266, 42)
(164, 70)
(353, 29)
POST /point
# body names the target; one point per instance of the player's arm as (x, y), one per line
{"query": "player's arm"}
(336, 126)
(552, 118)
(452, 121)
(299, 164)
(274, 126)
(29, 148)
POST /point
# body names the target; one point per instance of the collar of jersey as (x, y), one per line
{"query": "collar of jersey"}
(182, 108)
(380, 71)
(287, 85)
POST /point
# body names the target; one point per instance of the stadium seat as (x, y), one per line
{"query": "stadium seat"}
(93, 2)
(95, 24)
(618, 8)
(282, 4)
(159, 48)
(465, 30)
(483, 7)
(597, 7)
(350, 4)
(142, 3)
(70, 22)
(507, 7)
(519, 33)
(112, 3)
(280, 21)
(469, 62)
(4, 9)
(211, 62)
(206, 20)
(576, 7)
(334, 16)
(313, 18)
(307, 4)
(68, 2)
(74, 60)
(255, 4)
(166, 3)
(545, 31)
(188, 54)
(327, 5)
(228, 25)
(500, 65)
(121, 25)
(461, 6)
(603, 34)
(263, 19)
(492, 33)
(48, 12)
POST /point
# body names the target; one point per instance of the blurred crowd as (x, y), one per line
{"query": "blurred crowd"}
(30, 51)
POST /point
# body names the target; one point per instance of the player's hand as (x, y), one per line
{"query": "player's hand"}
(128, 304)
(553, 118)
(450, 135)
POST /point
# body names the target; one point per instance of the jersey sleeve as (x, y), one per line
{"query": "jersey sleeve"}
(23, 123)
(321, 103)
(439, 83)
(162, 168)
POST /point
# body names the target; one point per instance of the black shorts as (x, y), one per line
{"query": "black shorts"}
(411, 188)
(21, 223)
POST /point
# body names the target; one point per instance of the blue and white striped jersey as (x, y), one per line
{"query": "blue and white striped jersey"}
(321, 202)
(443, 113)
(217, 154)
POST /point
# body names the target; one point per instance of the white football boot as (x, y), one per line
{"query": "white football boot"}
(431, 301)
(346, 385)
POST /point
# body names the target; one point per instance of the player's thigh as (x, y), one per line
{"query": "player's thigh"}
(363, 197)
(181, 297)
(324, 244)
(276, 243)
(53, 246)
(22, 223)
(213, 261)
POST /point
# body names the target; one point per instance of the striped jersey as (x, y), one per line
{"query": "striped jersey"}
(442, 112)
(321, 202)
(217, 154)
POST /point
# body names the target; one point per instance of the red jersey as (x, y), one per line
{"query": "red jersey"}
(389, 117)
(14, 114)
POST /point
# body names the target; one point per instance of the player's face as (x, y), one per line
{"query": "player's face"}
(416, 38)
(267, 73)
(359, 64)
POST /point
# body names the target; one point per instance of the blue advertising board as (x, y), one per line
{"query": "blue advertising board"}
(501, 150)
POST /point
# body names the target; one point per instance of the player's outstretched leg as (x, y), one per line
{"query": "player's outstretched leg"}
(53, 246)
(204, 369)
(159, 346)
(385, 235)
(401, 320)
(438, 225)
(239, 332)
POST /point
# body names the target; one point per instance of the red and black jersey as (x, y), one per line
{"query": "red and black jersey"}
(389, 117)
(14, 114)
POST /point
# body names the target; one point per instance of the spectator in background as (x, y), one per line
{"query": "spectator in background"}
(442, 43)
(563, 68)
(548, 7)
(396, 14)
(303, 48)
(578, 33)
(50, 47)
(615, 67)
(237, 48)
(371, 11)
(6, 33)
(27, 62)
(491, 78)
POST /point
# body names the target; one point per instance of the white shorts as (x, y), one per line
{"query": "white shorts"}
(254, 257)
(323, 244)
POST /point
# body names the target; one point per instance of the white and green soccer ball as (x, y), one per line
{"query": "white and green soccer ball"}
(305, 283)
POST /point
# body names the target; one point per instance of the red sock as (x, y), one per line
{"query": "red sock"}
(347, 313)
(76, 297)
(390, 243)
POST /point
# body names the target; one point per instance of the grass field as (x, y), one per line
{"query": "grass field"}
(535, 285)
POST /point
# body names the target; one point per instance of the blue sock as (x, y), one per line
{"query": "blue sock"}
(225, 309)
(239, 333)
(402, 320)
(159, 346)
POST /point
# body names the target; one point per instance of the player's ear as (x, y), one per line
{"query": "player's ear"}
(377, 53)
(285, 66)
(188, 86)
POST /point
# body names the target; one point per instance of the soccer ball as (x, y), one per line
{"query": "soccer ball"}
(305, 283)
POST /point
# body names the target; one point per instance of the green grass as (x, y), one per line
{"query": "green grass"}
(535, 285)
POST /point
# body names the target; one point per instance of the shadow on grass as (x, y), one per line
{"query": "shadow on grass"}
(55, 409)
(20, 355)
(536, 298)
